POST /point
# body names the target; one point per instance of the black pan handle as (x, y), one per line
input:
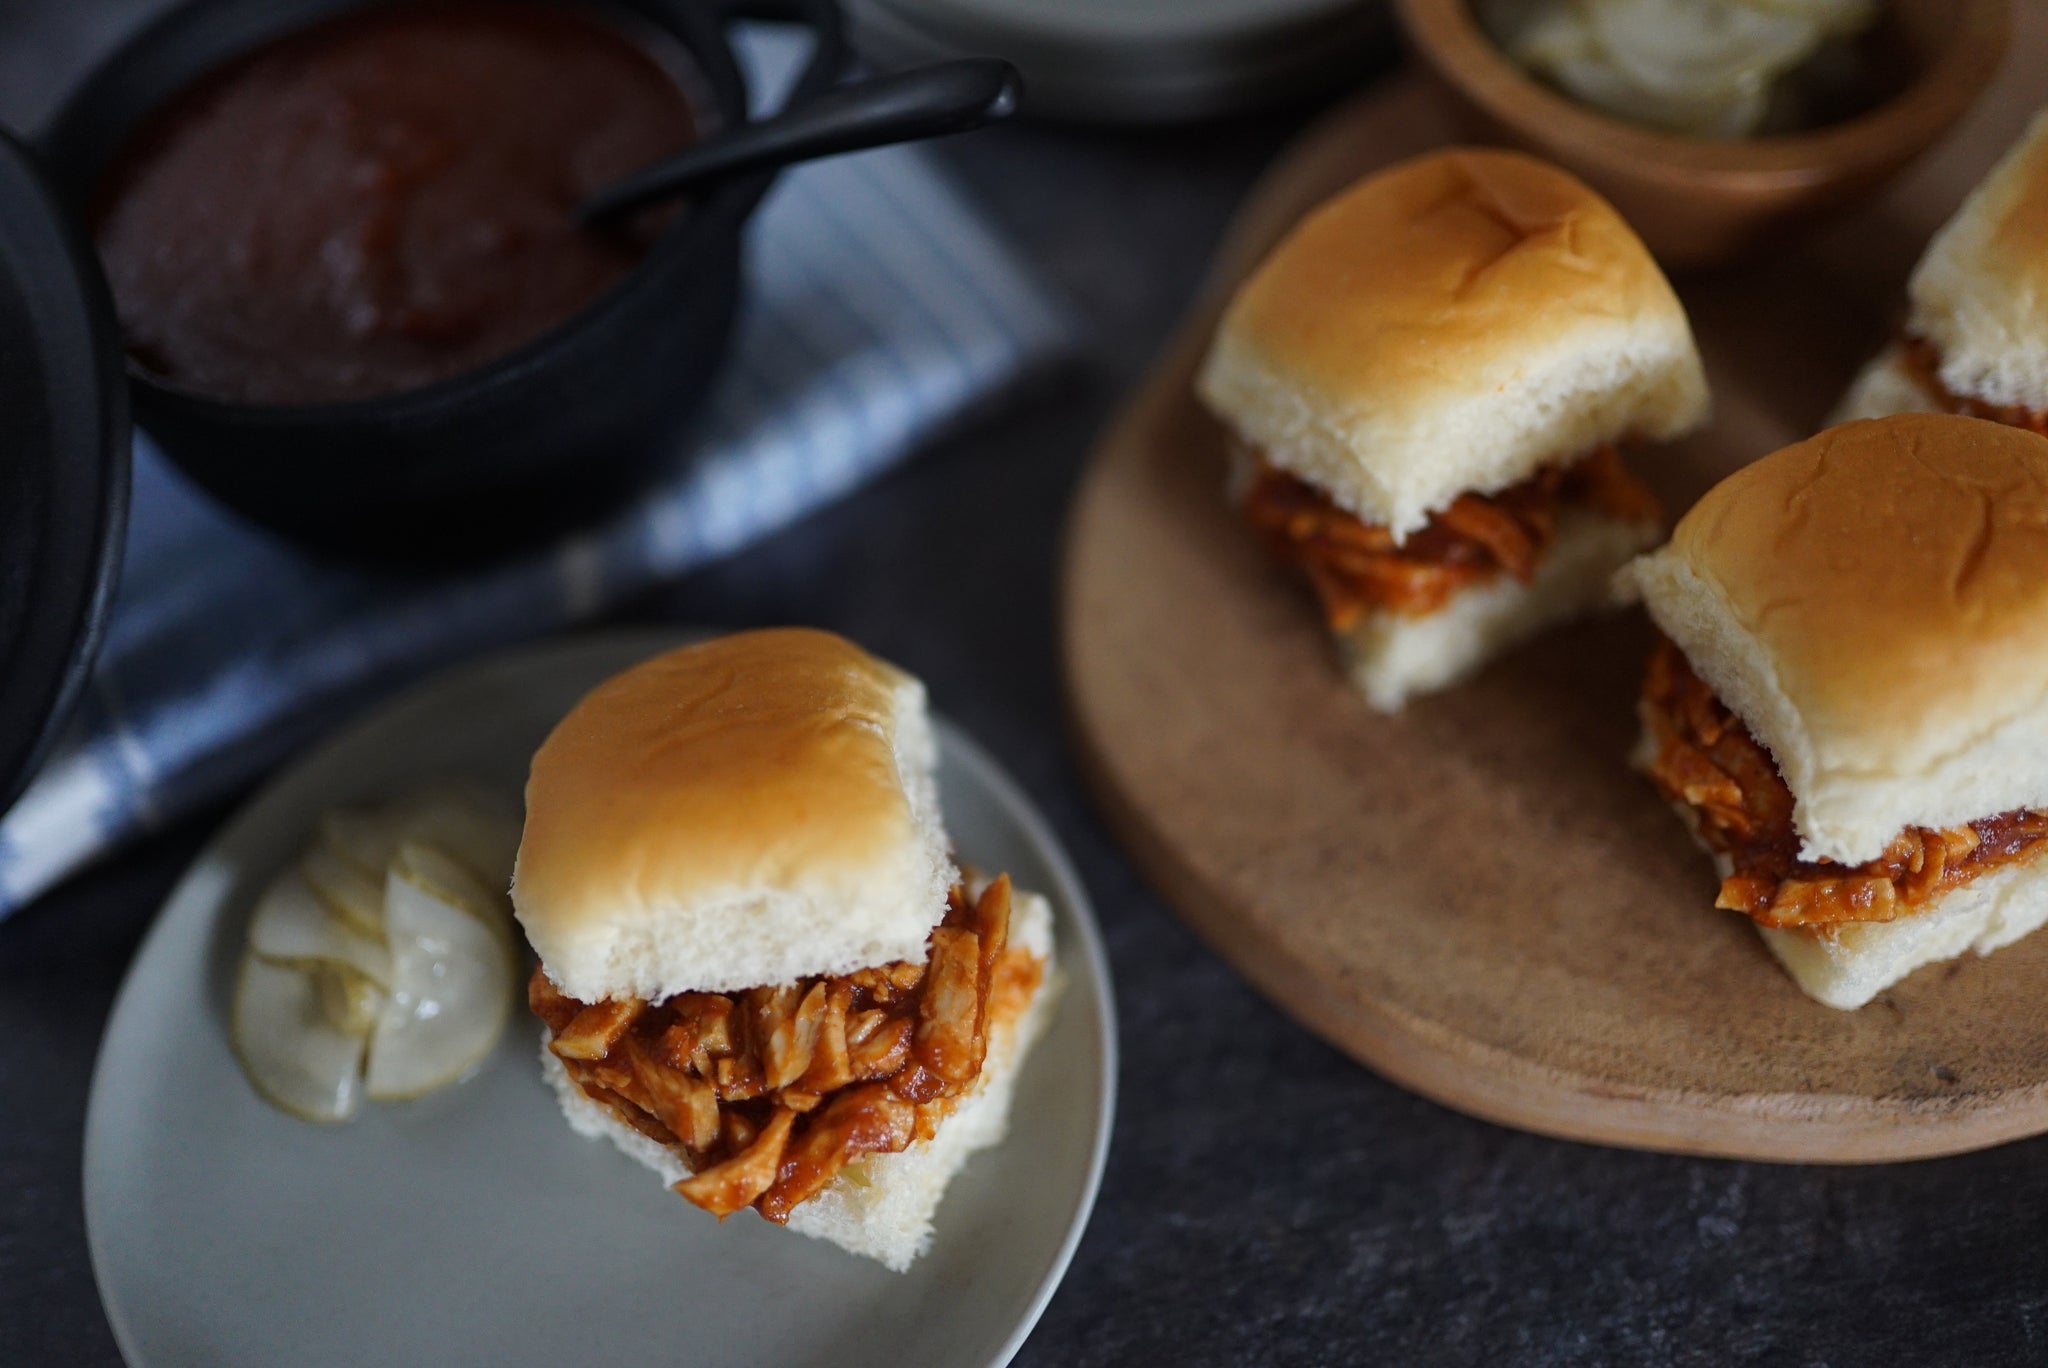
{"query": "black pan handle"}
(925, 102)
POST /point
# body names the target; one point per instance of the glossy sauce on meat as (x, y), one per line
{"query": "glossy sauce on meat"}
(1706, 760)
(1358, 568)
(769, 1093)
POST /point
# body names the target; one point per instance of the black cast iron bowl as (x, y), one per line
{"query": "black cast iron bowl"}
(548, 435)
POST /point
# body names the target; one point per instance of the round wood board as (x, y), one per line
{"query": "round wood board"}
(1479, 899)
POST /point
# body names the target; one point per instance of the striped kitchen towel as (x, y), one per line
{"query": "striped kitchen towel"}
(878, 309)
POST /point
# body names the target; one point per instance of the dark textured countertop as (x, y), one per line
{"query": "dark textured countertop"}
(1267, 1201)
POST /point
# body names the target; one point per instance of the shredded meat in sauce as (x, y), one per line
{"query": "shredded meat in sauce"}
(1358, 568)
(769, 1093)
(1922, 361)
(1706, 759)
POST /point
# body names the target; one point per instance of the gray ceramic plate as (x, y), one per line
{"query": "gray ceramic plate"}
(473, 1226)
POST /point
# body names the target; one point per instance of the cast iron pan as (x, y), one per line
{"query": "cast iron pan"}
(504, 455)
(63, 465)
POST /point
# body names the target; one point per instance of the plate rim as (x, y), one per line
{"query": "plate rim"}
(345, 735)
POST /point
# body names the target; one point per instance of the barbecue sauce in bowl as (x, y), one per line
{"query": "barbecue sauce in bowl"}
(382, 201)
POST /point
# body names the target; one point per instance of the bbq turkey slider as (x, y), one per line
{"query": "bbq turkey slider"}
(1431, 381)
(1976, 335)
(1849, 708)
(760, 972)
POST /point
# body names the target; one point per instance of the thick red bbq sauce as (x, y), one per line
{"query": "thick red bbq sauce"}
(382, 201)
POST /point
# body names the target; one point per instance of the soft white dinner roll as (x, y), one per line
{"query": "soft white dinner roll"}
(1884, 387)
(1453, 323)
(882, 1205)
(1980, 293)
(1873, 603)
(748, 810)
(1847, 965)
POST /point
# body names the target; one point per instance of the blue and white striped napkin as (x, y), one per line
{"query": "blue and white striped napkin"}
(878, 309)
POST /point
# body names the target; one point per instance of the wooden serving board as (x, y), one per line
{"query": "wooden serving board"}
(1479, 899)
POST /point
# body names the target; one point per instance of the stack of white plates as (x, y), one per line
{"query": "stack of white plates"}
(1137, 61)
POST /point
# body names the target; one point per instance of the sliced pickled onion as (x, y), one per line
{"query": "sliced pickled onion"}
(1729, 112)
(351, 1002)
(1689, 48)
(451, 983)
(366, 838)
(1540, 35)
(288, 1046)
(295, 926)
(473, 825)
(355, 894)
(452, 882)
(1836, 18)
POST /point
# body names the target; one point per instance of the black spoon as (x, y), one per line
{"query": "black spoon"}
(924, 102)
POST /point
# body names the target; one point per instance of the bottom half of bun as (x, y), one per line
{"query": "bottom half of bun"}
(881, 1206)
(1908, 377)
(1392, 657)
(1847, 964)
(1884, 387)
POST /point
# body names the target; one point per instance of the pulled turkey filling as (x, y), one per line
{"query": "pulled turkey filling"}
(1922, 360)
(1706, 759)
(1358, 568)
(768, 1093)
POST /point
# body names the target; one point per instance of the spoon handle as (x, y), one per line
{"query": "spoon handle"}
(924, 102)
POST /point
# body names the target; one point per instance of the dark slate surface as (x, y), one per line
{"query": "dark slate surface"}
(1267, 1202)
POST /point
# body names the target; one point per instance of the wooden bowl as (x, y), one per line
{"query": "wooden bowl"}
(1702, 201)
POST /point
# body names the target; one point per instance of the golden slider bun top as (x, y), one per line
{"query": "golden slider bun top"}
(1980, 293)
(1873, 603)
(1453, 322)
(748, 810)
